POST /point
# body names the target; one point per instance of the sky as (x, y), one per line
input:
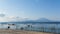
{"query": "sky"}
(29, 9)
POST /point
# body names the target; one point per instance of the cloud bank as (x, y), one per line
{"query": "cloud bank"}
(10, 18)
(2, 15)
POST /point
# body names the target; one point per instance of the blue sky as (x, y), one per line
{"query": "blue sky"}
(31, 9)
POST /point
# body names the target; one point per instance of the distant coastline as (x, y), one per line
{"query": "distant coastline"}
(29, 22)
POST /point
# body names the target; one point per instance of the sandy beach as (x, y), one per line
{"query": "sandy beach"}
(20, 32)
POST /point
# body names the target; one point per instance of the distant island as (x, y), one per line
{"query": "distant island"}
(41, 21)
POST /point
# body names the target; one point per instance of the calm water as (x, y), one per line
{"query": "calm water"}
(34, 27)
(41, 27)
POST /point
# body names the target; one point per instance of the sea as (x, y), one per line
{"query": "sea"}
(55, 28)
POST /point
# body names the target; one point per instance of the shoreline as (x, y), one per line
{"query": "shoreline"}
(21, 32)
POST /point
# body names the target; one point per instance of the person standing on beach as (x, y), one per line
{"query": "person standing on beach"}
(8, 27)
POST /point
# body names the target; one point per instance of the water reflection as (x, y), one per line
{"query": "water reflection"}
(33, 27)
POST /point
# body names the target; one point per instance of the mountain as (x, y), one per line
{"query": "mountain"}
(43, 20)
(40, 20)
(37, 20)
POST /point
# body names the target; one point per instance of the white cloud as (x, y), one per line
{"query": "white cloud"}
(11, 18)
(2, 15)
(2, 19)
(3, 12)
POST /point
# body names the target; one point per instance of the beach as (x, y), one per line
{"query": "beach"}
(21, 32)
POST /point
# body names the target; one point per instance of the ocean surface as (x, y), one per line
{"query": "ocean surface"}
(33, 27)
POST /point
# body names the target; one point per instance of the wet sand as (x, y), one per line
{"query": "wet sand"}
(20, 32)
